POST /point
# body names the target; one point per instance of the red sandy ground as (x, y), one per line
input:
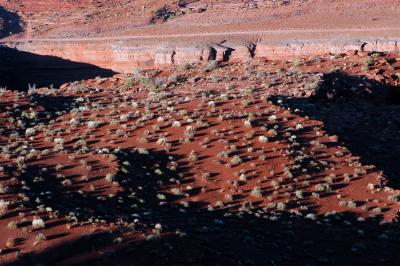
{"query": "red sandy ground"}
(83, 18)
(266, 209)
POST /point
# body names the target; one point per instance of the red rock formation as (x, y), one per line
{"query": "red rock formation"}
(124, 56)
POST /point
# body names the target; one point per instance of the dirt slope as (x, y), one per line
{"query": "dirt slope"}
(55, 18)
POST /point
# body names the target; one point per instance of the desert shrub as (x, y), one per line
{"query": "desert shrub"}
(173, 77)
(377, 210)
(10, 242)
(142, 151)
(176, 124)
(129, 82)
(185, 67)
(223, 154)
(351, 204)
(219, 204)
(30, 132)
(273, 132)
(39, 238)
(162, 141)
(66, 183)
(256, 192)
(38, 223)
(322, 187)
(369, 61)
(32, 89)
(12, 225)
(281, 206)
(394, 197)
(236, 160)
(93, 124)
(193, 156)
(299, 194)
(212, 65)
(247, 123)
(110, 177)
(311, 86)
(3, 207)
(162, 14)
(176, 191)
(3, 189)
(272, 118)
(297, 62)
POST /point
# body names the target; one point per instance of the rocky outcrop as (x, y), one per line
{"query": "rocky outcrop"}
(382, 46)
(164, 56)
(306, 48)
(125, 55)
(187, 55)
(125, 58)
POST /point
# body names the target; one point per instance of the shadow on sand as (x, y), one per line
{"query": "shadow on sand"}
(226, 236)
(18, 69)
(10, 23)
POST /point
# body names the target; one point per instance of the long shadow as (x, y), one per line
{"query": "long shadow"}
(200, 237)
(364, 113)
(197, 236)
(19, 68)
(137, 181)
(10, 23)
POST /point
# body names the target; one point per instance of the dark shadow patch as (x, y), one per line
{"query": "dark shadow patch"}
(18, 69)
(227, 54)
(162, 15)
(363, 113)
(10, 23)
(214, 238)
(213, 54)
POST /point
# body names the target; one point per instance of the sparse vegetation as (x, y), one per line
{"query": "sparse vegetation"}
(38, 223)
(190, 151)
(236, 160)
(212, 65)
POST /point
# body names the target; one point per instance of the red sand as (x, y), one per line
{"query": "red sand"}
(217, 167)
(66, 19)
(267, 162)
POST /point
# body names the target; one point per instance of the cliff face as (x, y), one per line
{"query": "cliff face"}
(124, 56)
(122, 35)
